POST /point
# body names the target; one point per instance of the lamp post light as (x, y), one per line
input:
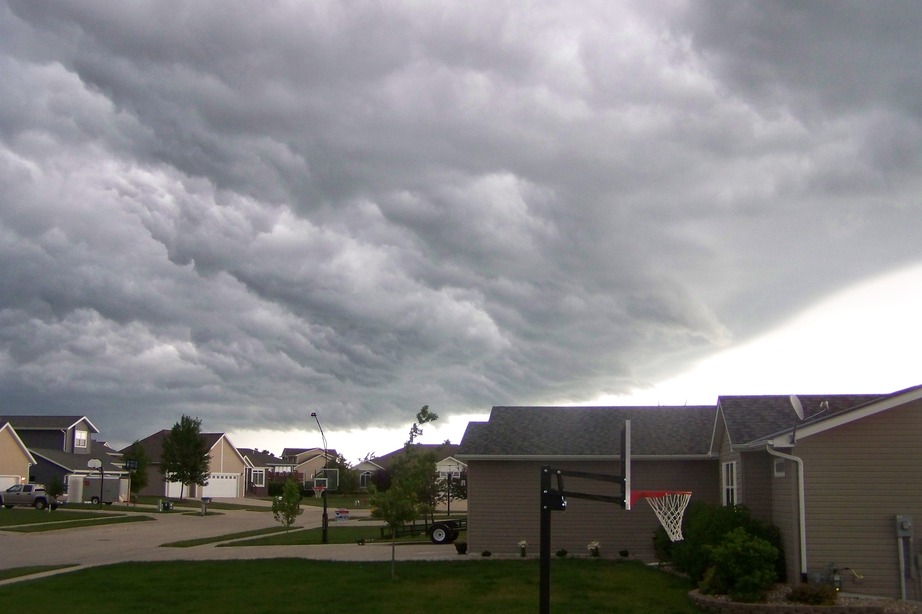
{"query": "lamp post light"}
(325, 523)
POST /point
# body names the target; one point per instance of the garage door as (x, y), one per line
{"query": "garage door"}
(221, 485)
(8, 480)
(174, 489)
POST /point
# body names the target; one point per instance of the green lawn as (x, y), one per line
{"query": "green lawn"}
(21, 516)
(76, 524)
(467, 585)
(335, 535)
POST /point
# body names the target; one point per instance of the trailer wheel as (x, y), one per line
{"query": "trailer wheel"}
(40, 504)
(440, 534)
(95, 500)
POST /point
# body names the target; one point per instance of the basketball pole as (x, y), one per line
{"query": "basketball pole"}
(325, 521)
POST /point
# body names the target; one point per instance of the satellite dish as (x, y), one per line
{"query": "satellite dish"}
(798, 408)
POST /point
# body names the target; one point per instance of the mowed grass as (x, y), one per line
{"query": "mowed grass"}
(467, 585)
(335, 535)
(21, 516)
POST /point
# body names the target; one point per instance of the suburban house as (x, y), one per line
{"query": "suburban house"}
(62, 446)
(837, 474)
(263, 467)
(15, 458)
(227, 469)
(366, 471)
(309, 463)
(446, 462)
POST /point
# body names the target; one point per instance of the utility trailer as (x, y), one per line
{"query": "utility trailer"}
(439, 532)
(83, 488)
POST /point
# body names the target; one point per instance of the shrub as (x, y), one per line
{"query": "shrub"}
(624, 553)
(704, 527)
(814, 594)
(744, 566)
(562, 553)
(276, 489)
(486, 553)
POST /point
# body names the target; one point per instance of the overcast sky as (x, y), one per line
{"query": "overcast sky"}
(249, 211)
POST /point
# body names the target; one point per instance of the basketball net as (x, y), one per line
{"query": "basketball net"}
(669, 507)
(318, 491)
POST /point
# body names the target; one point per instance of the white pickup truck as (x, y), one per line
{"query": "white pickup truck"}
(31, 495)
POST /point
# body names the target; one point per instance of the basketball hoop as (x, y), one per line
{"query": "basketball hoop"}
(318, 491)
(669, 507)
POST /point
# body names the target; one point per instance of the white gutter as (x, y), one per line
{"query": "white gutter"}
(802, 514)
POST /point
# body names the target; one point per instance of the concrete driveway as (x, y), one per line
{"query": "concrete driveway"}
(141, 541)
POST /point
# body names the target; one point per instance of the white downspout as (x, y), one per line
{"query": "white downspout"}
(802, 514)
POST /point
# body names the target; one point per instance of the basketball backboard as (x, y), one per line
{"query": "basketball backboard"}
(328, 478)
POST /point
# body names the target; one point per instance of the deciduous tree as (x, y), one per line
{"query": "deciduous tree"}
(185, 458)
(288, 507)
(136, 453)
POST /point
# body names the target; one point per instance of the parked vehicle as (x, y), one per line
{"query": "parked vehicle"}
(86, 488)
(32, 495)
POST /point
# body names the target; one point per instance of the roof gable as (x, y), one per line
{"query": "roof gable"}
(8, 428)
(256, 458)
(750, 419)
(47, 423)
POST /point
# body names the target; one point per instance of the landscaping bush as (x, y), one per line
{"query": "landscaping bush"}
(814, 594)
(743, 567)
(705, 527)
(276, 489)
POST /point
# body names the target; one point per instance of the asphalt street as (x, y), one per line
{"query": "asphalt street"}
(142, 541)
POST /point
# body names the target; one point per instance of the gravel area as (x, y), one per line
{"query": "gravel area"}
(891, 606)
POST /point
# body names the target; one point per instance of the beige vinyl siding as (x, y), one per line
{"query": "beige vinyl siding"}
(755, 487)
(504, 504)
(785, 514)
(13, 461)
(859, 476)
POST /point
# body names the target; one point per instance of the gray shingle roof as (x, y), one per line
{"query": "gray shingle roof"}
(590, 431)
(442, 450)
(45, 423)
(261, 459)
(77, 462)
(753, 418)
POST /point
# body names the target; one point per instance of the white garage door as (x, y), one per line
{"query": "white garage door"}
(8, 480)
(174, 489)
(221, 485)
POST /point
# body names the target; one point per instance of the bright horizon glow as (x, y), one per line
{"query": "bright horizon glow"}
(860, 340)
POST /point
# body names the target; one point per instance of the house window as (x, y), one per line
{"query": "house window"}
(79, 439)
(778, 467)
(259, 477)
(365, 479)
(729, 484)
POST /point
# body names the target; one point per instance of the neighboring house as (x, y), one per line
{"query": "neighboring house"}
(15, 458)
(835, 482)
(366, 471)
(263, 467)
(446, 463)
(61, 446)
(227, 469)
(309, 462)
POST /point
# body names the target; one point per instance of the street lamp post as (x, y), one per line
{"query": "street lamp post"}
(325, 524)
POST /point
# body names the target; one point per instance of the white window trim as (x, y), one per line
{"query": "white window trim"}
(779, 466)
(80, 438)
(729, 475)
(259, 477)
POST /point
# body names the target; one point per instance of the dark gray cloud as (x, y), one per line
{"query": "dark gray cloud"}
(239, 210)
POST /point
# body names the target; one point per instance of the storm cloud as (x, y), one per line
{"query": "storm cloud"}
(245, 211)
